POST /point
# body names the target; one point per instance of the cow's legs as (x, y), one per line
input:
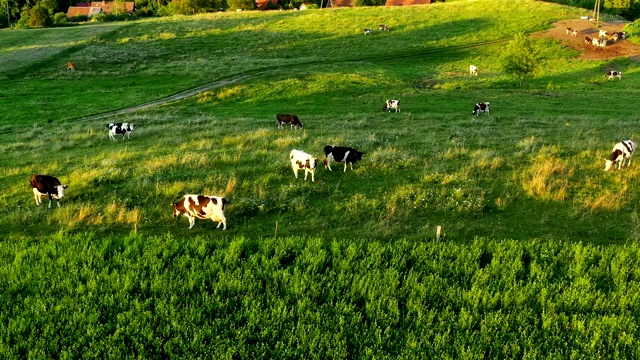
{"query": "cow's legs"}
(222, 221)
(345, 165)
(328, 163)
(58, 200)
(37, 196)
(192, 221)
(295, 171)
(49, 201)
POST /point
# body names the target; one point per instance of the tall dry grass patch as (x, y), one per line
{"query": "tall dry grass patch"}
(548, 177)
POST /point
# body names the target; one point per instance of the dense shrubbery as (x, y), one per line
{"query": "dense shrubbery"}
(79, 18)
(303, 298)
(105, 17)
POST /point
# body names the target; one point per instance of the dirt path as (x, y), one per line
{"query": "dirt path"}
(622, 48)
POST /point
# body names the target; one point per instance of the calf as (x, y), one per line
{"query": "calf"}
(391, 104)
(301, 160)
(621, 151)
(45, 185)
(339, 154)
(569, 31)
(288, 119)
(587, 40)
(595, 42)
(367, 31)
(202, 207)
(383, 27)
(473, 70)
(602, 33)
(480, 107)
(574, 33)
(611, 74)
(119, 129)
(71, 66)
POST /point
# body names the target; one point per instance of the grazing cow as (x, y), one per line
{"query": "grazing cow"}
(569, 31)
(602, 42)
(288, 119)
(119, 129)
(602, 33)
(45, 185)
(391, 104)
(473, 70)
(611, 74)
(301, 160)
(574, 33)
(615, 37)
(621, 151)
(480, 107)
(202, 207)
(595, 42)
(587, 40)
(383, 27)
(339, 154)
(71, 66)
(367, 31)
(622, 34)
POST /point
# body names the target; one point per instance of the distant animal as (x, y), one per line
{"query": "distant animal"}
(587, 40)
(300, 160)
(574, 33)
(480, 107)
(602, 42)
(473, 70)
(602, 33)
(569, 31)
(615, 37)
(621, 151)
(367, 31)
(341, 154)
(391, 104)
(288, 119)
(45, 185)
(612, 74)
(595, 42)
(120, 129)
(383, 27)
(71, 66)
(202, 207)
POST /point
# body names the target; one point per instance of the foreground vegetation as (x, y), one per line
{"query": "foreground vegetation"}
(198, 297)
(342, 267)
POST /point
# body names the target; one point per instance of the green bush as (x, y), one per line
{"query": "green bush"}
(78, 18)
(60, 18)
(39, 17)
(112, 17)
(241, 4)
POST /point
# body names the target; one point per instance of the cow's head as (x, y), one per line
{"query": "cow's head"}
(176, 212)
(60, 190)
(607, 165)
(359, 155)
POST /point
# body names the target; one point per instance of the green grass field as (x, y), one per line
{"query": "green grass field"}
(530, 175)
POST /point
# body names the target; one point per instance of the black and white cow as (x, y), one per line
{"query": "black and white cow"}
(341, 154)
(612, 74)
(300, 160)
(621, 151)
(480, 107)
(288, 119)
(45, 185)
(367, 31)
(119, 129)
(202, 207)
(391, 104)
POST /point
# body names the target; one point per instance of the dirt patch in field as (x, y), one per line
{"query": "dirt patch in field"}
(621, 48)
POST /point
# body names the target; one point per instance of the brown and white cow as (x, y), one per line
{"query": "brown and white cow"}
(300, 160)
(621, 151)
(202, 207)
(569, 31)
(480, 107)
(613, 74)
(473, 70)
(391, 104)
(71, 66)
(45, 185)
(383, 27)
(587, 40)
(288, 119)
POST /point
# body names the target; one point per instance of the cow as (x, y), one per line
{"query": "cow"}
(301, 160)
(587, 40)
(119, 129)
(202, 207)
(71, 66)
(595, 42)
(615, 37)
(612, 74)
(339, 154)
(383, 27)
(602, 42)
(473, 70)
(367, 31)
(602, 33)
(391, 104)
(621, 151)
(480, 107)
(45, 185)
(288, 119)
(569, 31)
(574, 33)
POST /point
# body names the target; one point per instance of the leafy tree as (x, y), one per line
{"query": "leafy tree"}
(119, 7)
(39, 17)
(241, 4)
(629, 9)
(521, 58)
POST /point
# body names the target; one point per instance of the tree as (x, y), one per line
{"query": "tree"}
(39, 17)
(629, 9)
(521, 58)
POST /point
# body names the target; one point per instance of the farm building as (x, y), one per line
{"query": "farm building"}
(95, 8)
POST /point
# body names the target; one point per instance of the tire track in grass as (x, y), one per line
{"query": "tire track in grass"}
(231, 79)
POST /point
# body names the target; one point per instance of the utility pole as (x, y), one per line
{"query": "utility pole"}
(596, 12)
(8, 15)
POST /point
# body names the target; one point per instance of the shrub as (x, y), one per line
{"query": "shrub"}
(271, 6)
(241, 4)
(39, 17)
(79, 18)
(112, 17)
(521, 58)
(60, 18)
